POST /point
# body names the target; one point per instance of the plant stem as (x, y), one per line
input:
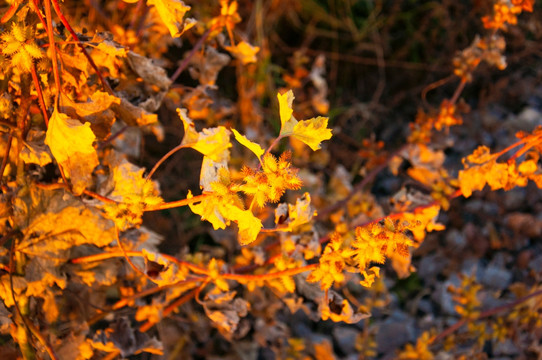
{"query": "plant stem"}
(186, 60)
(114, 254)
(51, 35)
(177, 203)
(164, 158)
(269, 276)
(40, 95)
(170, 308)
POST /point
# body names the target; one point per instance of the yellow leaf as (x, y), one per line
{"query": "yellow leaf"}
(190, 133)
(252, 146)
(172, 12)
(213, 142)
(346, 314)
(71, 145)
(220, 209)
(302, 212)
(249, 225)
(312, 132)
(471, 179)
(75, 225)
(423, 175)
(285, 107)
(128, 186)
(527, 167)
(244, 52)
(481, 155)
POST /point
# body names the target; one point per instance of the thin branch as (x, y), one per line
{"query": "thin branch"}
(170, 308)
(40, 95)
(164, 158)
(9, 13)
(51, 36)
(138, 270)
(92, 194)
(269, 276)
(186, 60)
(114, 254)
(434, 85)
(34, 5)
(123, 302)
(177, 203)
(458, 91)
(113, 137)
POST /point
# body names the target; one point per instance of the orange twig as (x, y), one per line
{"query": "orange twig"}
(40, 95)
(114, 254)
(51, 36)
(164, 158)
(186, 60)
(175, 204)
(170, 308)
(123, 302)
(269, 276)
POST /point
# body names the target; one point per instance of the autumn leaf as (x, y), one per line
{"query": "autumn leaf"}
(223, 206)
(312, 131)
(244, 52)
(252, 146)
(34, 151)
(285, 109)
(168, 272)
(338, 309)
(172, 12)
(52, 232)
(331, 265)
(295, 215)
(96, 111)
(211, 142)
(71, 145)
(128, 186)
(220, 210)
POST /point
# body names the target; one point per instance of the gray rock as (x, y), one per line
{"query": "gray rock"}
(345, 338)
(528, 119)
(430, 266)
(455, 240)
(536, 264)
(395, 332)
(496, 277)
(506, 348)
(442, 296)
